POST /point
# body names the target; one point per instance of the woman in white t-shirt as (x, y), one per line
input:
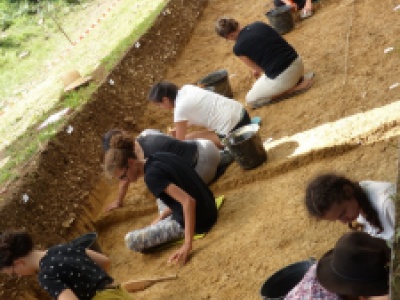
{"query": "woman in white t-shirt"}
(193, 105)
(369, 204)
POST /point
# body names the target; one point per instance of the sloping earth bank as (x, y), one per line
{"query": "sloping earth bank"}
(348, 122)
(60, 181)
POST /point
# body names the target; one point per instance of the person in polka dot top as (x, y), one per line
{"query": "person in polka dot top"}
(67, 272)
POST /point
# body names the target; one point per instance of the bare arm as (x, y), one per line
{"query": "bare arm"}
(139, 151)
(103, 261)
(257, 71)
(308, 6)
(180, 130)
(67, 295)
(291, 3)
(167, 212)
(189, 206)
(122, 190)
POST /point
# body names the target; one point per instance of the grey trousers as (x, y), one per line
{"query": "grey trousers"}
(163, 231)
(208, 160)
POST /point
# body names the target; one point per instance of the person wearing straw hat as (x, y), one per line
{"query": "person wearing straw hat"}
(68, 271)
(275, 63)
(366, 205)
(358, 266)
(356, 269)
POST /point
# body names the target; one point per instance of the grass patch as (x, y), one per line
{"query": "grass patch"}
(33, 140)
(27, 28)
(23, 150)
(35, 39)
(76, 98)
(114, 56)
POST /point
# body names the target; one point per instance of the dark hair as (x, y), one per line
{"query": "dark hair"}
(224, 26)
(163, 89)
(14, 245)
(326, 189)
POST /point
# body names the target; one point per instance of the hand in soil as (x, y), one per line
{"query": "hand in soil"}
(181, 256)
(113, 205)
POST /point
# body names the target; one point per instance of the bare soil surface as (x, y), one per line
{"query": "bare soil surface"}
(348, 122)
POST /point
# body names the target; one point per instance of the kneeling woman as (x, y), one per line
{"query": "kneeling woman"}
(370, 203)
(190, 204)
(66, 272)
(274, 62)
(201, 154)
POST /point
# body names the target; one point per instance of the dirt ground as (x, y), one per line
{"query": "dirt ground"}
(348, 122)
(262, 225)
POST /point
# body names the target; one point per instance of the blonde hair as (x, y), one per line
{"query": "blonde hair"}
(224, 26)
(122, 148)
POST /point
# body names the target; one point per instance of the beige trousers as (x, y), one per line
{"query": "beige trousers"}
(264, 89)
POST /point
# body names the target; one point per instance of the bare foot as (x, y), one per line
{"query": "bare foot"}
(306, 83)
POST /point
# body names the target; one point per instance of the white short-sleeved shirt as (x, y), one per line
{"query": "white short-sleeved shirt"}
(381, 196)
(204, 108)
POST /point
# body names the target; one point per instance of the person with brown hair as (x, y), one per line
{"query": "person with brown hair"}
(190, 205)
(67, 272)
(275, 63)
(201, 154)
(334, 197)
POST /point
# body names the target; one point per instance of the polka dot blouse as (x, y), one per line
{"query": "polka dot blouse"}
(68, 267)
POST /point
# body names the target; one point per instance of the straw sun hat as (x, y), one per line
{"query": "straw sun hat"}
(357, 266)
(73, 80)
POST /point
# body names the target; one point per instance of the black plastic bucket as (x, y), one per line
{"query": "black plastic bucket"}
(281, 18)
(217, 82)
(282, 282)
(246, 146)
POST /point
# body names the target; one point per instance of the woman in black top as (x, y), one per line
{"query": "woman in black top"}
(67, 272)
(190, 204)
(201, 154)
(274, 62)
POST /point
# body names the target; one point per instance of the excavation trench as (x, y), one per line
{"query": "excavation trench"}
(348, 127)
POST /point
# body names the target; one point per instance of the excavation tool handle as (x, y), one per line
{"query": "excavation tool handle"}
(141, 284)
